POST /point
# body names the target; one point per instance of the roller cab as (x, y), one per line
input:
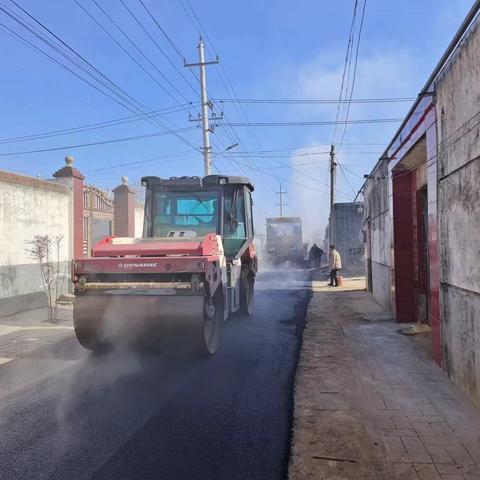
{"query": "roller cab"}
(194, 266)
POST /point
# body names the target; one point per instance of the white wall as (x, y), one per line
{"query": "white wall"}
(378, 221)
(458, 130)
(28, 207)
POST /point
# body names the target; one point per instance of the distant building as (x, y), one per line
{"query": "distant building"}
(349, 238)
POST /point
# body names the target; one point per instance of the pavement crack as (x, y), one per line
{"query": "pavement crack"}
(334, 459)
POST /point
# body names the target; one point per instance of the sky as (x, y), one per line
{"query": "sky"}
(273, 49)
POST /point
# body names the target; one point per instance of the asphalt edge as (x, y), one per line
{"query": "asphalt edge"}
(300, 313)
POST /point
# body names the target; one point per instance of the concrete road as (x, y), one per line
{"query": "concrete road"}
(65, 414)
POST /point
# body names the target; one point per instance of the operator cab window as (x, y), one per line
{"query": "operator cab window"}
(234, 224)
(234, 216)
(196, 212)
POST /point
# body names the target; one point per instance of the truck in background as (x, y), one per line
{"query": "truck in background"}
(284, 240)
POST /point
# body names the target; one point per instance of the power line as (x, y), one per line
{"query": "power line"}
(352, 172)
(439, 149)
(313, 123)
(91, 144)
(105, 81)
(248, 123)
(346, 178)
(295, 155)
(54, 60)
(119, 45)
(179, 53)
(66, 51)
(341, 101)
(230, 90)
(354, 71)
(345, 67)
(140, 24)
(137, 48)
(34, 47)
(299, 184)
(92, 126)
(170, 41)
(307, 101)
(299, 147)
(171, 157)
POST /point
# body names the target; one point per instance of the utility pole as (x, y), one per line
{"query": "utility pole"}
(281, 204)
(206, 104)
(333, 181)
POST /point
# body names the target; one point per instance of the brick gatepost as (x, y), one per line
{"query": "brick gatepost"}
(124, 210)
(73, 180)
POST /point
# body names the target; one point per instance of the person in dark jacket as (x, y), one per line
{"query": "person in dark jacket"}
(315, 256)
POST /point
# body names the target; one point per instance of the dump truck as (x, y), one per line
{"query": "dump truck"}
(194, 266)
(284, 240)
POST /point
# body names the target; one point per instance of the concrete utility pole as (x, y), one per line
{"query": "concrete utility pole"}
(333, 182)
(281, 204)
(207, 149)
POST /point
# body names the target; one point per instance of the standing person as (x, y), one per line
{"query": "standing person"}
(315, 255)
(312, 255)
(319, 254)
(335, 266)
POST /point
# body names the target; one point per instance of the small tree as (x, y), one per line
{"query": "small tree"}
(46, 251)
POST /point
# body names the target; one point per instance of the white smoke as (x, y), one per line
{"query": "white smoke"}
(310, 190)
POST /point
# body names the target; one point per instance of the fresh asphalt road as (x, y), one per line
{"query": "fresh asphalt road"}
(66, 414)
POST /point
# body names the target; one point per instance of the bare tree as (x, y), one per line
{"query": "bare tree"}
(46, 251)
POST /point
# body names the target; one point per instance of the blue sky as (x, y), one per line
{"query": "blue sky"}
(270, 49)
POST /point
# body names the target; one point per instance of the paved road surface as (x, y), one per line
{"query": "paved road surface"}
(65, 414)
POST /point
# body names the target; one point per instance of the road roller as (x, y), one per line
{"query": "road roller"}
(193, 267)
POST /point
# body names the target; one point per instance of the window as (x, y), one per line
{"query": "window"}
(234, 226)
(181, 211)
(234, 217)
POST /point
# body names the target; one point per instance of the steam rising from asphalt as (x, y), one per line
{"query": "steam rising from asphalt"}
(84, 392)
(94, 375)
(280, 276)
(94, 402)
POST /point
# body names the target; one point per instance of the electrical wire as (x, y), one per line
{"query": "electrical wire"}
(169, 158)
(313, 123)
(66, 51)
(345, 67)
(91, 126)
(354, 72)
(160, 49)
(179, 53)
(318, 145)
(346, 178)
(441, 147)
(310, 154)
(119, 45)
(123, 98)
(351, 171)
(230, 90)
(314, 101)
(91, 144)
